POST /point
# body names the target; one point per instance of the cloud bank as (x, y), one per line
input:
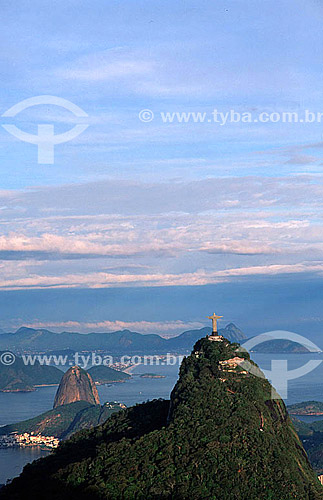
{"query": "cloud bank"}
(160, 234)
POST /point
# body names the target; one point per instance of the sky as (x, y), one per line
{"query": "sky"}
(145, 214)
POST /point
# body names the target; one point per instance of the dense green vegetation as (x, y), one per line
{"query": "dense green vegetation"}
(302, 428)
(311, 435)
(104, 374)
(21, 377)
(221, 436)
(64, 420)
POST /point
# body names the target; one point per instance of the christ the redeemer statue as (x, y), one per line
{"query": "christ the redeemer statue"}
(214, 319)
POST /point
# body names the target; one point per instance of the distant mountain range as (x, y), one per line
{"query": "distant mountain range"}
(119, 342)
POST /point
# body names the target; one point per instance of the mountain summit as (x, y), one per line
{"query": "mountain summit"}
(76, 385)
(220, 436)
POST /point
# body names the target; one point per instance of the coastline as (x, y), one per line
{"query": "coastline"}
(46, 385)
(17, 390)
(33, 389)
(307, 414)
(111, 382)
(130, 368)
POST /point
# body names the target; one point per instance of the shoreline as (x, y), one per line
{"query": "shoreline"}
(18, 446)
(46, 385)
(122, 381)
(28, 390)
(315, 414)
(130, 368)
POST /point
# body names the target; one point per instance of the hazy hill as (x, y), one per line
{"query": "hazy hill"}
(306, 408)
(118, 342)
(125, 341)
(21, 377)
(187, 339)
(281, 346)
(220, 436)
(64, 420)
(104, 374)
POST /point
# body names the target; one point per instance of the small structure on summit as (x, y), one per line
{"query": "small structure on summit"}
(215, 336)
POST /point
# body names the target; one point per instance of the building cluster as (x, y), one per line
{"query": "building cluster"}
(230, 365)
(114, 404)
(117, 365)
(128, 362)
(26, 439)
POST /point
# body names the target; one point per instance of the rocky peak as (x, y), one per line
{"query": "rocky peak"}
(76, 385)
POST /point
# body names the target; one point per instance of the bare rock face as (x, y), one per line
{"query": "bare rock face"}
(76, 385)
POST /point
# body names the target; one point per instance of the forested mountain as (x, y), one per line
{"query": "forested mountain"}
(220, 436)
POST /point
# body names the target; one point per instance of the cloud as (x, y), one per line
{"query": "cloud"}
(302, 160)
(97, 280)
(197, 196)
(49, 246)
(239, 248)
(160, 234)
(107, 65)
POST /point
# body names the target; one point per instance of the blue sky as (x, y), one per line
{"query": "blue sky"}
(161, 205)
